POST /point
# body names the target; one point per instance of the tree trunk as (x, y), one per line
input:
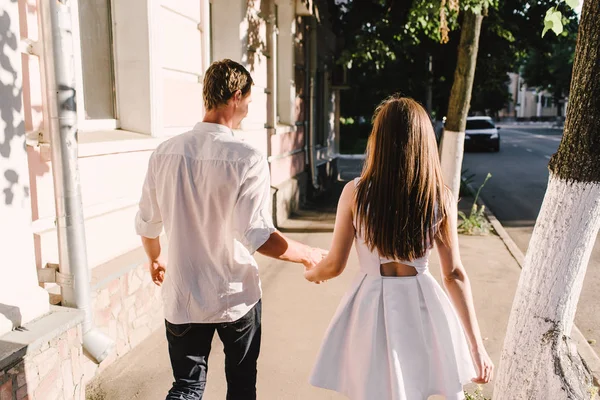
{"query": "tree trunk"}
(538, 359)
(460, 100)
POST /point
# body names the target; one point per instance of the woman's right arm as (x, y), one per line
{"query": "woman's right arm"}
(457, 285)
(343, 236)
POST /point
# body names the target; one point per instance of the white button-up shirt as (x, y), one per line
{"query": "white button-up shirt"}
(211, 192)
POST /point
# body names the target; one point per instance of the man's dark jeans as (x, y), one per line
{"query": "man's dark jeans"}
(189, 348)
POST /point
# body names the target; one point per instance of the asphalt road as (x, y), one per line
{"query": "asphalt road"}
(515, 194)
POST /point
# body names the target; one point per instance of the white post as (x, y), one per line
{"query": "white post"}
(453, 144)
(549, 287)
(271, 33)
(286, 88)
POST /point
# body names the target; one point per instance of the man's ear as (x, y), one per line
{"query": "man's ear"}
(237, 96)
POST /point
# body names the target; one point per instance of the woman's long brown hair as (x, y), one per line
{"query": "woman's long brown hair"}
(401, 198)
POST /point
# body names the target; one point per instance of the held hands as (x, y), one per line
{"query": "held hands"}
(315, 256)
(157, 271)
(483, 364)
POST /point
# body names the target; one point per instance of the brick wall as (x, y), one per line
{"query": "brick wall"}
(128, 308)
(52, 372)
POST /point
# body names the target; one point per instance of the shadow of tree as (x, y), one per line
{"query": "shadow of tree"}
(256, 46)
(12, 313)
(10, 107)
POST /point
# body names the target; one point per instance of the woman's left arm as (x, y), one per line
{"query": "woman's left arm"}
(343, 235)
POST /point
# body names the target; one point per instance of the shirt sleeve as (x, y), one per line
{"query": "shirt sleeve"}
(148, 220)
(253, 220)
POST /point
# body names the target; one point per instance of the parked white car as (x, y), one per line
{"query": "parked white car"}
(482, 133)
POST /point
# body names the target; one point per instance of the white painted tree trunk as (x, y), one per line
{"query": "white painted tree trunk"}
(453, 144)
(538, 359)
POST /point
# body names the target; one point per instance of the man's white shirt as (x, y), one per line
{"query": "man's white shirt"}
(211, 193)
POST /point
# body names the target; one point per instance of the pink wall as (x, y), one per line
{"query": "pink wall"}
(110, 187)
(32, 78)
(285, 168)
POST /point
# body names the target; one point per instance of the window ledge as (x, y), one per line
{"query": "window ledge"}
(98, 143)
(115, 141)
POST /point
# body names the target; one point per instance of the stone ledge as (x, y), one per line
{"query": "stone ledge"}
(15, 345)
(20, 305)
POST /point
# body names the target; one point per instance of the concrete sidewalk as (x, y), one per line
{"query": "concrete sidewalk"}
(296, 315)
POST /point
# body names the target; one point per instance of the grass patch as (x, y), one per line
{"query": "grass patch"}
(477, 395)
(475, 223)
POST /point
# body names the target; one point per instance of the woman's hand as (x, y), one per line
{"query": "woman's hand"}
(314, 256)
(484, 365)
(310, 275)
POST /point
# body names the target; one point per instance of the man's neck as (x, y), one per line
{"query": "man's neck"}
(214, 117)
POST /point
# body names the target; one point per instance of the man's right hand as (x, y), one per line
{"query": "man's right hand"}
(157, 271)
(314, 256)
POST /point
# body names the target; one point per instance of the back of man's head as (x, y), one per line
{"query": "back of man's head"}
(222, 79)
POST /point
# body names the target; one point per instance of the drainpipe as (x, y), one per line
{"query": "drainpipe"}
(312, 137)
(306, 92)
(271, 89)
(62, 122)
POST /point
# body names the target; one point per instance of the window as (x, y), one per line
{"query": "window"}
(97, 67)
(479, 124)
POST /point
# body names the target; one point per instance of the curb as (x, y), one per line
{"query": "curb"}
(587, 353)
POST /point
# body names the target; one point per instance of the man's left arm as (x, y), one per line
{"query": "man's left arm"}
(148, 224)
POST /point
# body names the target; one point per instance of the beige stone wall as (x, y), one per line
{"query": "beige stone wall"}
(128, 309)
(127, 306)
(52, 372)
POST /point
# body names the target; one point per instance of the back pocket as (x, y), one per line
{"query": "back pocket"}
(178, 330)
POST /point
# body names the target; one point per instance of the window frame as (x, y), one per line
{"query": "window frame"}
(93, 124)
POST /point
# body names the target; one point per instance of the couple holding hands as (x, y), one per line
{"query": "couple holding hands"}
(396, 334)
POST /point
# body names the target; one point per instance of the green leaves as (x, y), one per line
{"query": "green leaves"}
(553, 21)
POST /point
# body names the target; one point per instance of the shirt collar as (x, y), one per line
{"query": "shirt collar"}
(206, 127)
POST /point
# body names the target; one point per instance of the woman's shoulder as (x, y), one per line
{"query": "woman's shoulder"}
(348, 196)
(349, 189)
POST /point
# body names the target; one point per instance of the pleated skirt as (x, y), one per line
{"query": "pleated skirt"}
(394, 338)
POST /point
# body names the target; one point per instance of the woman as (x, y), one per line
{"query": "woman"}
(396, 335)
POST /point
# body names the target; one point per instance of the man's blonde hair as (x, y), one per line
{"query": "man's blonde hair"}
(222, 79)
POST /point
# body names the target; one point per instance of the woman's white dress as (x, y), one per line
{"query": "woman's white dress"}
(394, 338)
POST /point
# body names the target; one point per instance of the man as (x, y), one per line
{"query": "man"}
(211, 193)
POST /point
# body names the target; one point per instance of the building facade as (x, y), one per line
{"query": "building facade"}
(138, 67)
(528, 103)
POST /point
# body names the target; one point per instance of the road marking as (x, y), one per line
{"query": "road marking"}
(514, 145)
(554, 138)
(548, 157)
(529, 150)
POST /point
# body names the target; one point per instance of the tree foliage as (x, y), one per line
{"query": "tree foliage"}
(386, 45)
(549, 64)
